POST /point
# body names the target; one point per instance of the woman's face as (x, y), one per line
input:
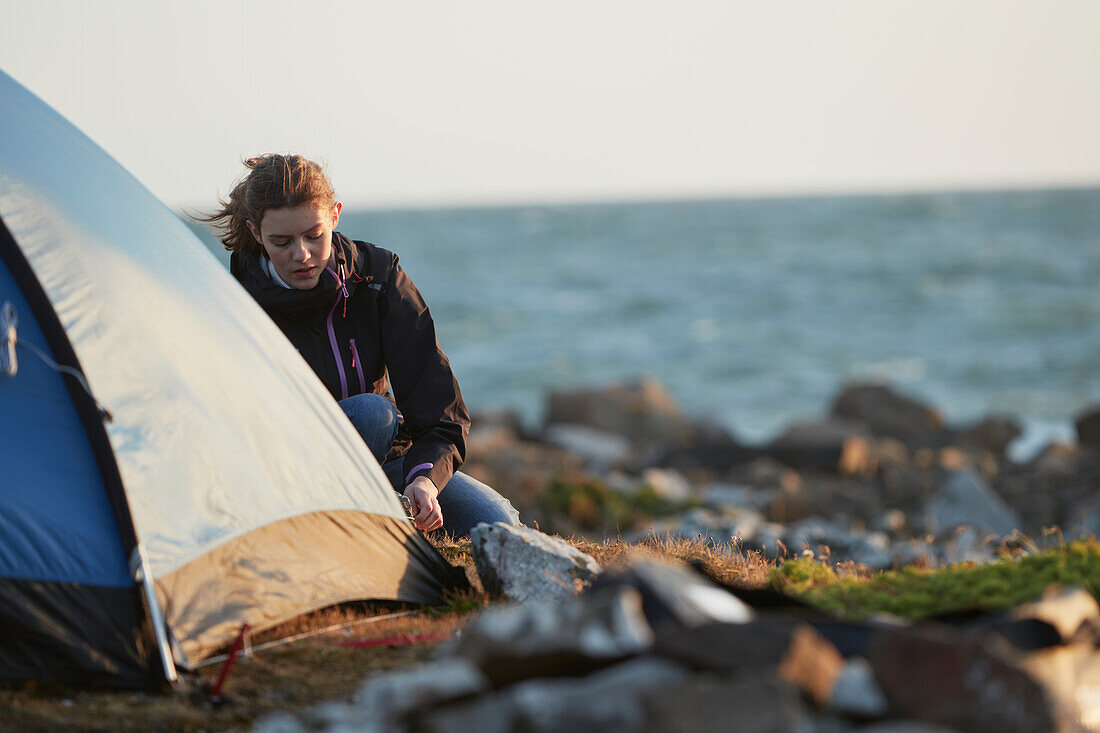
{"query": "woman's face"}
(298, 241)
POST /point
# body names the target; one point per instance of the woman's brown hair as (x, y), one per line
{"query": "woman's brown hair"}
(274, 181)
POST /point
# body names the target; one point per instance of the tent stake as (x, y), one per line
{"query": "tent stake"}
(216, 692)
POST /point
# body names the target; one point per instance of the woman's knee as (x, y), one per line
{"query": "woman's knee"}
(375, 418)
(467, 502)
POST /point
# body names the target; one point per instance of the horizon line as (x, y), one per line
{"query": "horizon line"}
(764, 194)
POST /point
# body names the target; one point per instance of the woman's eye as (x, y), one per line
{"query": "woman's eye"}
(316, 236)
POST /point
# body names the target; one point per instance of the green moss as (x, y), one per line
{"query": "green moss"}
(915, 592)
(651, 504)
(592, 504)
(803, 575)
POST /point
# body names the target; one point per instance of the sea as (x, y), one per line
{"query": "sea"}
(754, 312)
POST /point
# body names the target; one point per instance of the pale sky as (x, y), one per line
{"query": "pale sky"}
(414, 103)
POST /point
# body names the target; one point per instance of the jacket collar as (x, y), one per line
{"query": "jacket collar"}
(340, 279)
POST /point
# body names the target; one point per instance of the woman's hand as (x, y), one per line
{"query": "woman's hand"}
(424, 496)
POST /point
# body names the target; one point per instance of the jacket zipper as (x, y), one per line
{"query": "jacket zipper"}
(358, 367)
(336, 352)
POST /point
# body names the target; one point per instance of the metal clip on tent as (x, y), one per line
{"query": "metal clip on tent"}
(8, 363)
(9, 339)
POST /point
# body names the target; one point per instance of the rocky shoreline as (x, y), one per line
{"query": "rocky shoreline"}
(650, 645)
(653, 646)
(881, 481)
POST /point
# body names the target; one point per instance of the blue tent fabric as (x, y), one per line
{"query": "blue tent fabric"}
(57, 523)
(69, 608)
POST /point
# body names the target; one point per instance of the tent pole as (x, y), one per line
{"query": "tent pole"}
(139, 565)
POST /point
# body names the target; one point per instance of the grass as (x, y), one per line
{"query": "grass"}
(317, 669)
(591, 505)
(915, 593)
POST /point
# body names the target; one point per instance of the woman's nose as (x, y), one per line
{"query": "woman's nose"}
(300, 252)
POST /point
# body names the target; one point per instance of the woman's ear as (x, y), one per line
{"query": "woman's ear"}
(255, 232)
(336, 213)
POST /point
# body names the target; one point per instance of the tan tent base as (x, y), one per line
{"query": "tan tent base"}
(280, 571)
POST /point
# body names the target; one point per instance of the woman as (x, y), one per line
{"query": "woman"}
(360, 323)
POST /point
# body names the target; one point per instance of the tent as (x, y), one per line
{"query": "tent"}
(169, 467)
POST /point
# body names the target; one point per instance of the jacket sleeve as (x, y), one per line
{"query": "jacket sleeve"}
(423, 384)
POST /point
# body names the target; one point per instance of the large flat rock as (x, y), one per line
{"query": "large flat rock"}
(966, 499)
(523, 564)
(553, 639)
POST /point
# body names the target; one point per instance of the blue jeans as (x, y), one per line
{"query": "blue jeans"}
(465, 501)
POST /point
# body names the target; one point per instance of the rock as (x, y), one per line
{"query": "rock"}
(788, 505)
(608, 700)
(488, 439)
(742, 525)
(676, 594)
(705, 447)
(1057, 460)
(892, 521)
(817, 533)
(891, 453)
(525, 468)
(993, 434)
(966, 499)
(696, 524)
(953, 459)
(768, 473)
(757, 701)
(571, 637)
(638, 411)
(278, 723)
(871, 549)
(951, 680)
(1065, 609)
(1088, 427)
(914, 551)
(812, 533)
(884, 412)
(596, 448)
(804, 657)
(1071, 675)
(493, 430)
(493, 713)
(524, 564)
(769, 539)
(968, 543)
(905, 726)
(825, 721)
(1084, 519)
(856, 692)
(736, 496)
(812, 663)
(384, 699)
(667, 484)
(832, 445)
(736, 507)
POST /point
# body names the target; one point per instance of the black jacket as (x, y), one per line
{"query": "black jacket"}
(363, 327)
